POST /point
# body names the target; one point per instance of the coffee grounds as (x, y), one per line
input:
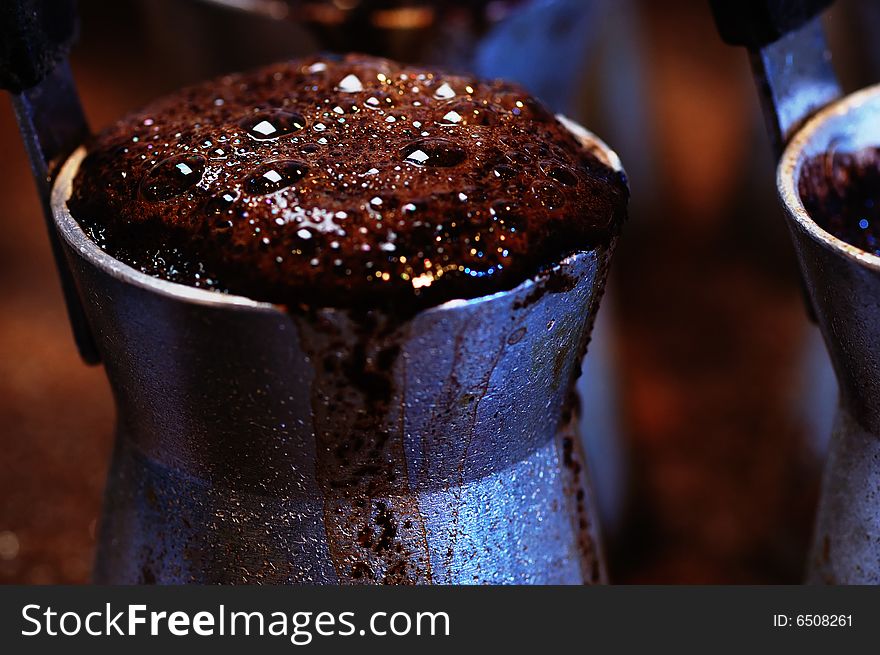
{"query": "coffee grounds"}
(348, 181)
(841, 192)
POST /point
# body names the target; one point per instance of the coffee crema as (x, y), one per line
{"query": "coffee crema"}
(841, 192)
(350, 181)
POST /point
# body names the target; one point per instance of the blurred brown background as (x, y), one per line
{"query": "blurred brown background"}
(722, 391)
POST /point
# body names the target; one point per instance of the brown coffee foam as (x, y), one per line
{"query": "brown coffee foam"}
(338, 182)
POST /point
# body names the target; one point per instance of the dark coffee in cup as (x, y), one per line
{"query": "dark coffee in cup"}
(841, 192)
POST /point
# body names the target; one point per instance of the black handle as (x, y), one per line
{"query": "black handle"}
(757, 23)
(790, 61)
(34, 36)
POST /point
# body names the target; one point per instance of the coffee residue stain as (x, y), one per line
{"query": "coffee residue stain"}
(555, 281)
(456, 410)
(575, 486)
(375, 531)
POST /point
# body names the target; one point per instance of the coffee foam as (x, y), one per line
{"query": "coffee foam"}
(340, 182)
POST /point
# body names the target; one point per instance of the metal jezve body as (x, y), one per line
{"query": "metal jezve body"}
(807, 119)
(258, 445)
(844, 289)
